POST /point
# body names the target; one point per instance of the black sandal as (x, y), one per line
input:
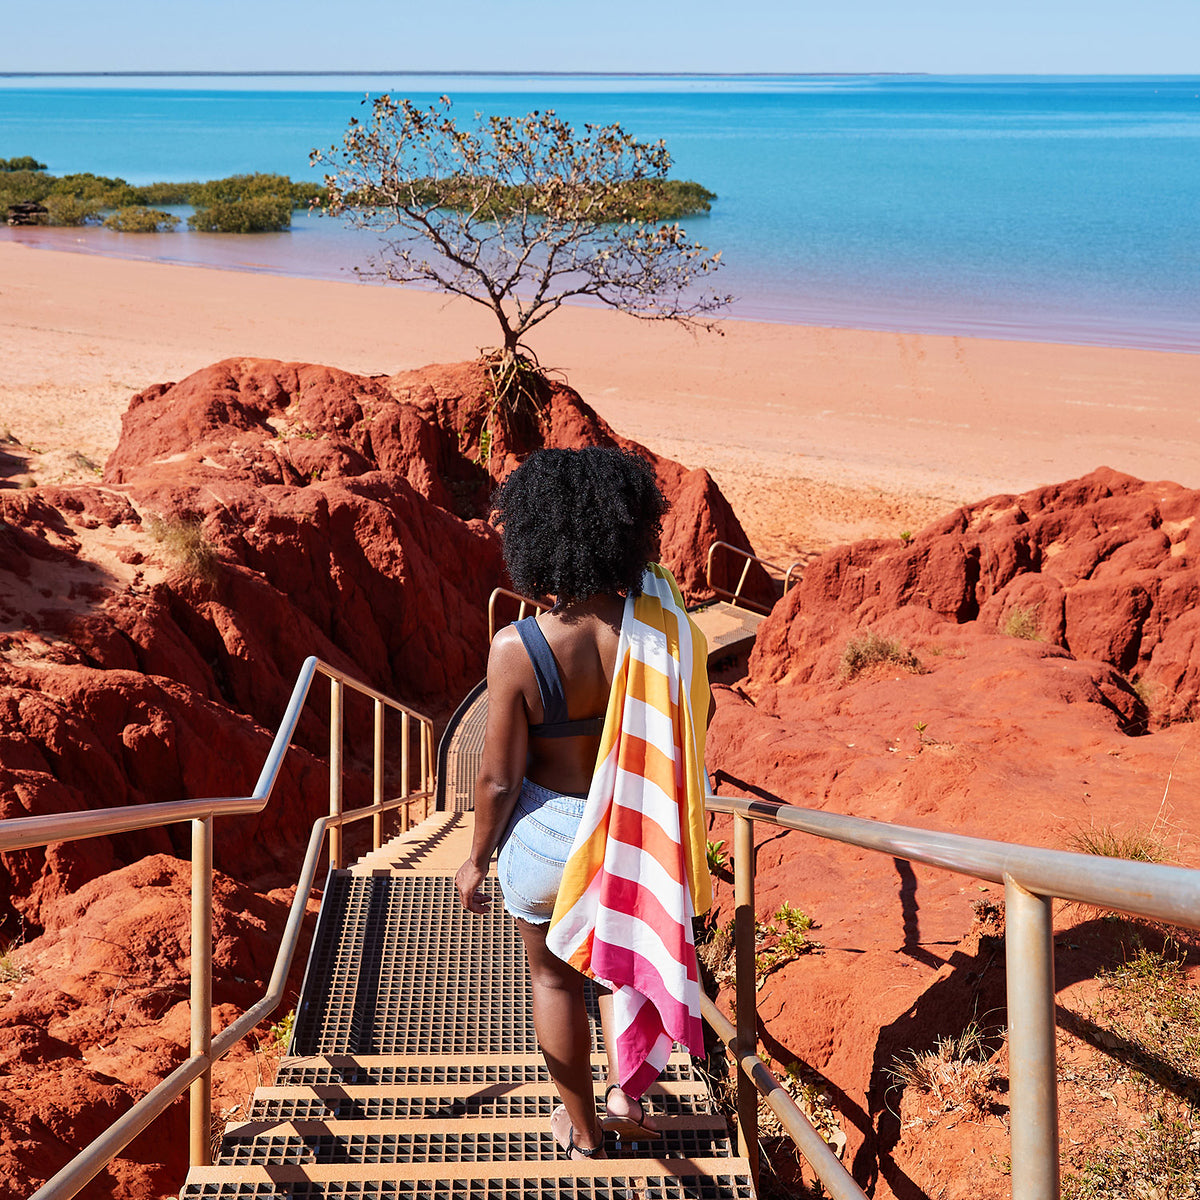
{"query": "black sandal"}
(627, 1127)
(569, 1149)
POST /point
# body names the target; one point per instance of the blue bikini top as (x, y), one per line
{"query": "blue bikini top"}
(555, 722)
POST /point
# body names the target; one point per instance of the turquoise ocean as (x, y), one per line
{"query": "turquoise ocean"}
(1055, 209)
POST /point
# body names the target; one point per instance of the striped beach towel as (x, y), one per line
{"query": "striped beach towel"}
(638, 869)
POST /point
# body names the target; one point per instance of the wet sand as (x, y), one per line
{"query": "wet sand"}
(817, 436)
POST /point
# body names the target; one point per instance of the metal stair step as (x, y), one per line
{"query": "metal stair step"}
(262, 1143)
(430, 1101)
(375, 1070)
(603, 1179)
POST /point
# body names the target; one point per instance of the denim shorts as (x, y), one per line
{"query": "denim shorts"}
(534, 849)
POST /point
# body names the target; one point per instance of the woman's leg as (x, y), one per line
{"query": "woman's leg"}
(563, 1032)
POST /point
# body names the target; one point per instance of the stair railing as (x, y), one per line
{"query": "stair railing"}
(736, 596)
(195, 1073)
(525, 602)
(1033, 878)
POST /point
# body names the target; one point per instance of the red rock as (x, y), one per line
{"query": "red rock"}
(1026, 741)
(102, 1015)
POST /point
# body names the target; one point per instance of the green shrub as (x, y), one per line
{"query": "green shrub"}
(165, 193)
(26, 162)
(1022, 623)
(240, 187)
(70, 210)
(257, 214)
(137, 219)
(102, 190)
(871, 649)
(24, 185)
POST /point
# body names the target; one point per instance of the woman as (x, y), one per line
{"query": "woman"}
(579, 525)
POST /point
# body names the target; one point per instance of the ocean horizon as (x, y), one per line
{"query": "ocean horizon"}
(1050, 208)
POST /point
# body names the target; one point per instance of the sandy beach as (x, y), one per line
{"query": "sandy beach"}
(816, 435)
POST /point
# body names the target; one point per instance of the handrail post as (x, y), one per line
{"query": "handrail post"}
(377, 778)
(747, 994)
(1033, 1074)
(405, 735)
(200, 1102)
(426, 738)
(335, 772)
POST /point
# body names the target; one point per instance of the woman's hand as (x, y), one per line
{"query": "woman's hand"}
(467, 881)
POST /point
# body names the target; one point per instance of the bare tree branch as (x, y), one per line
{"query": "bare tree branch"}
(522, 213)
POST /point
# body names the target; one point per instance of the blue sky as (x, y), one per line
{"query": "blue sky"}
(939, 36)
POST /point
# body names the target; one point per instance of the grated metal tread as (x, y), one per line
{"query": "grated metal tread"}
(650, 1183)
(474, 1142)
(379, 1104)
(377, 1070)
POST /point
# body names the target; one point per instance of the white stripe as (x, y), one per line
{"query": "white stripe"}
(628, 862)
(643, 720)
(646, 798)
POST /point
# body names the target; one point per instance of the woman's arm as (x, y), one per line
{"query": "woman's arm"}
(502, 767)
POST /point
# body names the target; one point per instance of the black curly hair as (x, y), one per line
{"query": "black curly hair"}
(577, 523)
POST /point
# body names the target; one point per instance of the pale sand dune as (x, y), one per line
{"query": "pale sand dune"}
(816, 435)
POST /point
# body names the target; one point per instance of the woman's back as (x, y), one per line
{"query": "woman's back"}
(582, 638)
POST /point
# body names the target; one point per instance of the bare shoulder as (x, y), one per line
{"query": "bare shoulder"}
(507, 655)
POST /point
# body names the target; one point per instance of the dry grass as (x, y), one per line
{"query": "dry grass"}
(957, 1074)
(1138, 845)
(11, 971)
(183, 541)
(1022, 623)
(1148, 1009)
(870, 650)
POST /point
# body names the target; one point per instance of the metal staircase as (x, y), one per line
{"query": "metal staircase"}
(414, 1069)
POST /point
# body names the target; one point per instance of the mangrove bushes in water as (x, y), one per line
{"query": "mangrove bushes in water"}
(264, 203)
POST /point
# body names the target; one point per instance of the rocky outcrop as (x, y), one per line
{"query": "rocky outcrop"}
(938, 718)
(99, 1013)
(151, 629)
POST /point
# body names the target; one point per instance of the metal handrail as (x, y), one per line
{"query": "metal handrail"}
(527, 602)
(1033, 878)
(195, 1073)
(736, 595)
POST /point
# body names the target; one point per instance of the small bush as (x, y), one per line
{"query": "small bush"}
(102, 190)
(789, 928)
(956, 1074)
(26, 162)
(870, 650)
(281, 1032)
(1163, 1161)
(258, 214)
(11, 971)
(137, 219)
(717, 858)
(1022, 623)
(70, 210)
(185, 543)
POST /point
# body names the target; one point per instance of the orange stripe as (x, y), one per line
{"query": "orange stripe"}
(638, 832)
(640, 757)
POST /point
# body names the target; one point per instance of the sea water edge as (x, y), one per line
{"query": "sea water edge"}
(1046, 208)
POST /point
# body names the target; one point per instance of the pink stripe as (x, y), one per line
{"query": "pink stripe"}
(628, 898)
(624, 966)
